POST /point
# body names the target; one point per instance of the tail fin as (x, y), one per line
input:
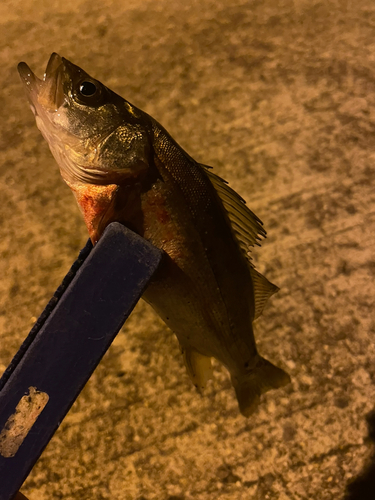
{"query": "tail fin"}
(250, 386)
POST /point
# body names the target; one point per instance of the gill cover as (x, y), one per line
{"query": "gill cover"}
(95, 135)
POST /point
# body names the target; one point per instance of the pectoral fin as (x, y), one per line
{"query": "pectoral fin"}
(199, 367)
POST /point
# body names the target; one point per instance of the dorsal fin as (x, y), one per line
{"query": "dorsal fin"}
(246, 226)
(263, 289)
(248, 231)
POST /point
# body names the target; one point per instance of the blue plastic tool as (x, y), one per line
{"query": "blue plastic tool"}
(66, 344)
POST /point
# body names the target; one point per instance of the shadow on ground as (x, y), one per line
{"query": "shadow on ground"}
(363, 488)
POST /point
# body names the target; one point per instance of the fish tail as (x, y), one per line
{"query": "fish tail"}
(249, 386)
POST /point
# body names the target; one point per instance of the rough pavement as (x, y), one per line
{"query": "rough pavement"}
(279, 97)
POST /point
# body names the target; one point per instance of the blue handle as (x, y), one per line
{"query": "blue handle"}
(67, 343)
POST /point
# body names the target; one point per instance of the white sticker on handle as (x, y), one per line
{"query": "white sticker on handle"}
(19, 424)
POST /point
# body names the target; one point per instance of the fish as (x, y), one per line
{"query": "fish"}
(123, 166)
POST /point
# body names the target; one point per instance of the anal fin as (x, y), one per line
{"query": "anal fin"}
(198, 367)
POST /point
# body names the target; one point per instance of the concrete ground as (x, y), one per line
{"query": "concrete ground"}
(278, 96)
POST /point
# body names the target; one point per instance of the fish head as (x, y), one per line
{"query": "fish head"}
(99, 140)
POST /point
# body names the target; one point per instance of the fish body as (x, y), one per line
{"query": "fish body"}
(123, 166)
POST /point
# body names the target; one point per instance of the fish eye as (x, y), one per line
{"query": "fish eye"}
(89, 92)
(87, 89)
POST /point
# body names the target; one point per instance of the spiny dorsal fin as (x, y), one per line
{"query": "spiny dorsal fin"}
(246, 226)
(248, 230)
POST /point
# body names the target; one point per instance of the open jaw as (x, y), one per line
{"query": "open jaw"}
(75, 142)
(46, 97)
(47, 92)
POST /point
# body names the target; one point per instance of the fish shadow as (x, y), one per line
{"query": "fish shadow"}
(363, 487)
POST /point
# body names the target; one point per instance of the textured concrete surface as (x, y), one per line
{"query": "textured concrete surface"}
(279, 97)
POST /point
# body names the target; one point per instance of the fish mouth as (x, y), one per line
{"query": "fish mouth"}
(47, 92)
(47, 97)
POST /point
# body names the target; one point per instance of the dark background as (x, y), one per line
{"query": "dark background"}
(279, 97)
